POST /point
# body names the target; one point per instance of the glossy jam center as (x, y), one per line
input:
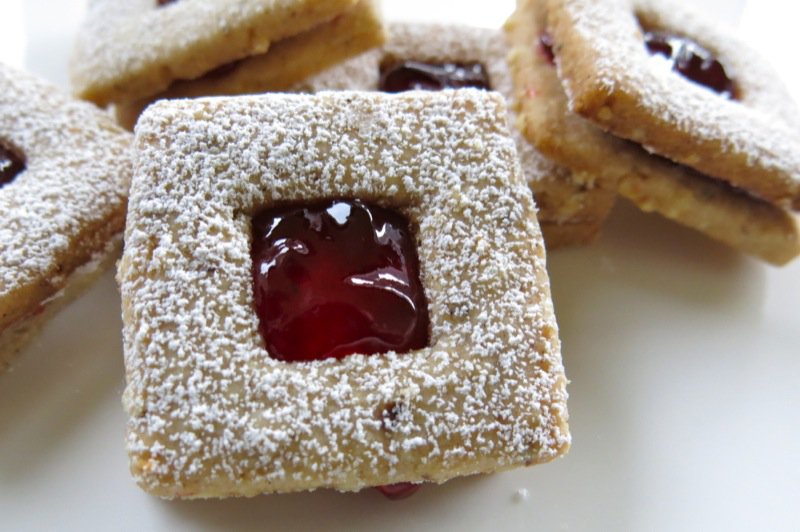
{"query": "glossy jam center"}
(337, 278)
(11, 163)
(416, 75)
(692, 61)
(165, 2)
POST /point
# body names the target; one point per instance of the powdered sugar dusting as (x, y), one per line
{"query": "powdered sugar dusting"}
(68, 202)
(213, 415)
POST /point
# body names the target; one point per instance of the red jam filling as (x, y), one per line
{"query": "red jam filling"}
(337, 278)
(165, 2)
(399, 491)
(222, 70)
(12, 163)
(692, 61)
(416, 75)
(546, 44)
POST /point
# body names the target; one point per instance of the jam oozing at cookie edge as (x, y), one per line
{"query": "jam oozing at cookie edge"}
(692, 61)
(399, 491)
(417, 75)
(12, 162)
(546, 44)
(221, 71)
(337, 278)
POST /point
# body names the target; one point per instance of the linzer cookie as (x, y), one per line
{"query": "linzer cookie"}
(572, 206)
(652, 72)
(286, 63)
(334, 291)
(132, 49)
(653, 183)
(64, 174)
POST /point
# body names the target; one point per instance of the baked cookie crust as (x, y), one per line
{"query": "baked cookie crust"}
(132, 49)
(609, 76)
(213, 415)
(654, 184)
(63, 210)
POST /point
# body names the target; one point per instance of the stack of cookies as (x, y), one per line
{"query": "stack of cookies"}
(685, 120)
(572, 205)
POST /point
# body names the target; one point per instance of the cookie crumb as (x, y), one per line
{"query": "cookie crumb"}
(521, 495)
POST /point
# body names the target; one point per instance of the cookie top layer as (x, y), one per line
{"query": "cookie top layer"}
(131, 49)
(211, 414)
(70, 198)
(609, 77)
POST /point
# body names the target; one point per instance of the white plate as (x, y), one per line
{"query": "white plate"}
(684, 359)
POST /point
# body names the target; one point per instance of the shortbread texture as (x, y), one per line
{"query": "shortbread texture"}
(609, 77)
(61, 212)
(131, 49)
(213, 415)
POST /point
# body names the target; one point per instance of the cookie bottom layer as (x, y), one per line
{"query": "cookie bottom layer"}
(16, 338)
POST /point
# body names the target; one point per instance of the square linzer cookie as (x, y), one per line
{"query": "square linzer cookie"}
(64, 175)
(334, 291)
(654, 184)
(572, 206)
(132, 49)
(654, 73)
(286, 63)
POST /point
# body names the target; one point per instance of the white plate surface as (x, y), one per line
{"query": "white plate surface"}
(684, 359)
